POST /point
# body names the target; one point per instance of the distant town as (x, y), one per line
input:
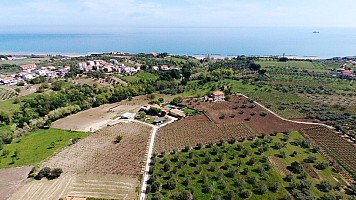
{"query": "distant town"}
(32, 71)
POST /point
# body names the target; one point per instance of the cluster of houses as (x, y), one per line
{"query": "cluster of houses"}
(164, 68)
(344, 73)
(111, 66)
(31, 71)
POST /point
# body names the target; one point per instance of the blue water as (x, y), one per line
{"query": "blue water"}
(329, 42)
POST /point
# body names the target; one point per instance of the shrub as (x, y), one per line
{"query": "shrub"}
(207, 188)
(44, 172)
(55, 173)
(156, 186)
(246, 193)
(275, 187)
(239, 182)
(118, 139)
(321, 165)
(166, 167)
(325, 186)
(184, 195)
(171, 184)
(262, 188)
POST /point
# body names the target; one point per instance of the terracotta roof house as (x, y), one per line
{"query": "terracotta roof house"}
(218, 96)
(28, 67)
(177, 113)
(347, 74)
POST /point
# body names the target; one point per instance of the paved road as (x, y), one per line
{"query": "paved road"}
(149, 155)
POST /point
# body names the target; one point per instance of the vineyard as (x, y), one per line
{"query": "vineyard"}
(198, 129)
(99, 154)
(241, 109)
(7, 93)
(337, 147)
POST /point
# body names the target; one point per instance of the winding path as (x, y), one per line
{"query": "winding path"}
(149, 155)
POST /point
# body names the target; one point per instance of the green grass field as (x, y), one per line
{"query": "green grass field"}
(300, 65)
(37, 146)
(139, 76)
(209, 175)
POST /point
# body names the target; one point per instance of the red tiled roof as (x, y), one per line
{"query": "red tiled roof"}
(28, 66)
(218, 93)
(347, 73)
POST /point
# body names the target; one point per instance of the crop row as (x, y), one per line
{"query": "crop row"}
(190, 133)
(6, 94)
(342, 150)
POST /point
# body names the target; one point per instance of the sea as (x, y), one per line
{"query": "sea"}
(220, 41)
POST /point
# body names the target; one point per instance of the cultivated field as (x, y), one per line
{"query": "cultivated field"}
(95, 118)
(197, 129)
(99, 154)
(98, 186)
(243, 170)
(11, 179)
(336, 146)
(7, 93)
(238, 109)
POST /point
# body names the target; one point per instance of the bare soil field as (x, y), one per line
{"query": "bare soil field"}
(95, 118)
(198, 129)
(239, 109)
(11, 180)
(99, 154)
(89, 185)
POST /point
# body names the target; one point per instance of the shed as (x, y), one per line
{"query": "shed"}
(158, 120)
(126, 115)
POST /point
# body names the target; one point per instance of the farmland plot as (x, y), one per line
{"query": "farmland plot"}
(94, 118)
(99, 154)
(7, 93)
(239, 109)
(89, 185)
(11, 179)
(198, 129)
(333, 144)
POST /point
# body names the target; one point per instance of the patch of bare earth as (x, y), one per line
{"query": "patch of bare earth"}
(239, 109)
(88, 185)
(94, 118)
(11, 180)
(99, 154)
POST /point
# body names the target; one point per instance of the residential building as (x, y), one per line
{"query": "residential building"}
(28, 67)
(8, 81)
(218, 96)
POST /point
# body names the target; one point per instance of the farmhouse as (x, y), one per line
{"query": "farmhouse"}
(218, 96)
(347, 74)
(28, 67)
(177, 113)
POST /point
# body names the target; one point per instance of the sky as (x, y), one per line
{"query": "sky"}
(111, 15)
